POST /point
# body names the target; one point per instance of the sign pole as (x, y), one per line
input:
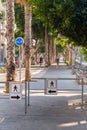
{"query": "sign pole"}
(82, 91)
(19, 63)
(26, 97)
(19, 41)
(28, 93)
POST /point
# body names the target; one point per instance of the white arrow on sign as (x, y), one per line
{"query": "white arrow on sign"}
(19, 41)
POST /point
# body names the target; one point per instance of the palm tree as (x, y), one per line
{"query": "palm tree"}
(10, 19)
(27, 38)
(28, 17)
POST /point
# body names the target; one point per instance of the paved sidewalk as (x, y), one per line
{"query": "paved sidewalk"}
(47, 112)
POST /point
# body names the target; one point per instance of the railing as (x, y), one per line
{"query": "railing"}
(27, 88)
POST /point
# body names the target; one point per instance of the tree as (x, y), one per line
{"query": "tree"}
(27, 37)
(10, 42)
(69, 17)
(28, 18)
(41, 10)
(19, 20)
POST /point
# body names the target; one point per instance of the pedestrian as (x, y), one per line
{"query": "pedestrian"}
(15, 88)
(41, 60)
(57, 60)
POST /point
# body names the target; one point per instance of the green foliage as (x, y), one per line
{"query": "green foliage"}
(42, 48)
(2, 16)
(59, 48)
(84, 52)
(3, 3)
(62, 41)
(68, 17)
(42, 11)
(3, 0)
(61, 44)
(17, 50)
(60, 14)
(37, 28)
(79, 23)
(19, 19)
(77, 28)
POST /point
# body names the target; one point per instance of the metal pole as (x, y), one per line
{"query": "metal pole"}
(82, 91)
(45, 82)
(19, 63)
(28, 93)
(25, 97)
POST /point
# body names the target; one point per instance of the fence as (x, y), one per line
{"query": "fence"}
(46, 89)
(45, 86)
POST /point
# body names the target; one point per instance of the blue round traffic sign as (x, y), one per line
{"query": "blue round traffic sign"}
(19, 41)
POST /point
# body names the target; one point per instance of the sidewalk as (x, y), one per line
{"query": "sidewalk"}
(46, 112)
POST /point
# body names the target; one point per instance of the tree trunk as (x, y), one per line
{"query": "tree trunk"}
(49, 50)
(70, 57)
(10, 42)
(28, 18)
(46, 47)
(53, 49)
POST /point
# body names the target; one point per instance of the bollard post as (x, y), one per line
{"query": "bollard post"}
(25, 97)
(28, 93)
(82, 91)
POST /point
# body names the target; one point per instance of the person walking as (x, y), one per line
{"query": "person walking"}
(41, 60)
(57, 60)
